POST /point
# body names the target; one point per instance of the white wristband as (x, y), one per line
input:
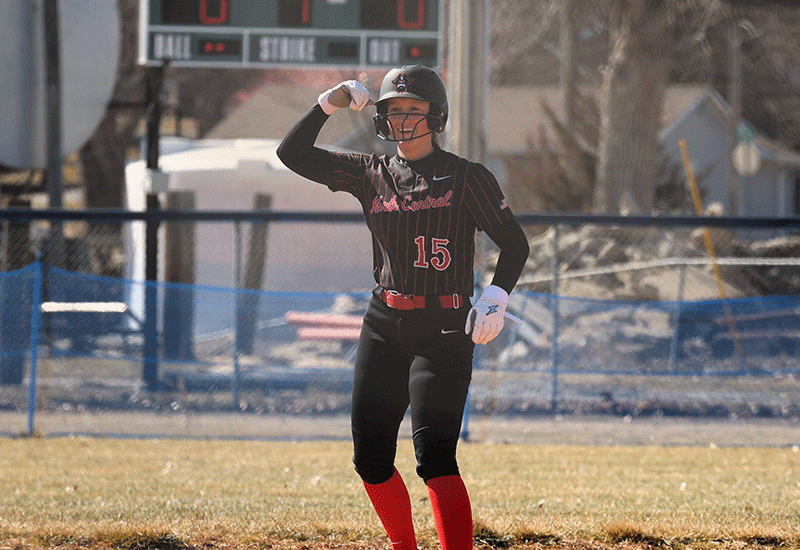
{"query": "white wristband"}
(325, 104)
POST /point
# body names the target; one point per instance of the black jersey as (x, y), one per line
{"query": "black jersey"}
(422, 214)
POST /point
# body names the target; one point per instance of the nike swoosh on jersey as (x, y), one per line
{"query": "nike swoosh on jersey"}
(449, 331)
(440, 178)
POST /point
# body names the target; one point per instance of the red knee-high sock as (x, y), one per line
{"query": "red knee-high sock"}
(393, 505)
(452, 512)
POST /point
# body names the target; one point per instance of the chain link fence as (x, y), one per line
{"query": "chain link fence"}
(249, 328)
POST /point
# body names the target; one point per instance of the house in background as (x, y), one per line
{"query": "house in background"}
(763, 181)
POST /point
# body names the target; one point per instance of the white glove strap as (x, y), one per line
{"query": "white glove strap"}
(493, 292)
(325, 104)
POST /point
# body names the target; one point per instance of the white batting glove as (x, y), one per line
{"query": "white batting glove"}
(349, 93)
(485, 319)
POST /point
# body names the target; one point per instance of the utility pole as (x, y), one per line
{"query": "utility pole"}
(53, 251)
(53, 97)
(735, 101)
(468, 85)
(469, 77)
(566, 69)
(154, 86)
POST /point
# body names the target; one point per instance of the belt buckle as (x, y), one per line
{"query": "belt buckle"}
(404, 301)
(456, 301)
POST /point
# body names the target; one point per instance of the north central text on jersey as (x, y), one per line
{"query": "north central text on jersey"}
(409, 204)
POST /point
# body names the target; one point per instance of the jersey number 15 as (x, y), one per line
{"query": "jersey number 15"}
(440, 255)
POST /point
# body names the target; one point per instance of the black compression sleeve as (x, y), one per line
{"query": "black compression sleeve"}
(514, 250)
(297, 150)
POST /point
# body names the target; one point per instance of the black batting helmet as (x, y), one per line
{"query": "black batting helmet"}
(414, 82)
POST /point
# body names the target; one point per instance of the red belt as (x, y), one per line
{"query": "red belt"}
(409, 301)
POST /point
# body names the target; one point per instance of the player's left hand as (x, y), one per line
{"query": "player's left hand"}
(485, 319)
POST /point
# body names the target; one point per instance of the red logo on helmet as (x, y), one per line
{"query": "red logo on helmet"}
(401, 83)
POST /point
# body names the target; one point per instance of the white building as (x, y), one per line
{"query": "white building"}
(227, 175)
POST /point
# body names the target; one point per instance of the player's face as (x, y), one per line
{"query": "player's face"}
(407, 118)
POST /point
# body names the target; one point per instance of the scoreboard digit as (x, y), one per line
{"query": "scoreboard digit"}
(290, 33)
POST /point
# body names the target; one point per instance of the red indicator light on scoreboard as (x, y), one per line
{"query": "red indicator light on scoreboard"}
(216, 46)
(421, 51)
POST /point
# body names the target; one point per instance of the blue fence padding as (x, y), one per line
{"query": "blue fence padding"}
(766, 325)
(567, 349)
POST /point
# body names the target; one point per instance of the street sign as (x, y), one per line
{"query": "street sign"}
(746, 159)
(290, 33)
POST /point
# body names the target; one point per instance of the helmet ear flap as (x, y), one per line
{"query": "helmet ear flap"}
(436, 121)
(381, 121)
(435, 124)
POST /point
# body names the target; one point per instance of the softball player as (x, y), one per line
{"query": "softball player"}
(422, 206)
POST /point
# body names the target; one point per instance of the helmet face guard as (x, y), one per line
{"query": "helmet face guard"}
(383, 127)
(413, 82)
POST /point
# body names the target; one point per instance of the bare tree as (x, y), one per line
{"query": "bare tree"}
(630, 105)
(103, 155)
(632, 48)
(771, 71)
(203, 95)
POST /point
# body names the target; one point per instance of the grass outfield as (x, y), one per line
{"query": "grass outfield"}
(136, 494)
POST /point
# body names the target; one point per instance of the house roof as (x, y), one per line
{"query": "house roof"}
(709, 99)
(775, 153)
(272, 110)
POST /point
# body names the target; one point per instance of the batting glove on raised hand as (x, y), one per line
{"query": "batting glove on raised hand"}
(485, 319)
(349, 93)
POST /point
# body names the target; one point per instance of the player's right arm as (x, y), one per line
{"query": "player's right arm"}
(297, 150)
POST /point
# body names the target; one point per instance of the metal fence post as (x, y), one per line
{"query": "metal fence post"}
(673, 348)
(237, 277)
(36, 304)
(464, 435)
(151, 347)
(554, 312)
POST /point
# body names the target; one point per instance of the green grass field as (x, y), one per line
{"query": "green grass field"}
(71, 493)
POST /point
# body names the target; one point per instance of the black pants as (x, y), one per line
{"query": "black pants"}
(418, 358)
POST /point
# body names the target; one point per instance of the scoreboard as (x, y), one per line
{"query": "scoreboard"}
(290, 33)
